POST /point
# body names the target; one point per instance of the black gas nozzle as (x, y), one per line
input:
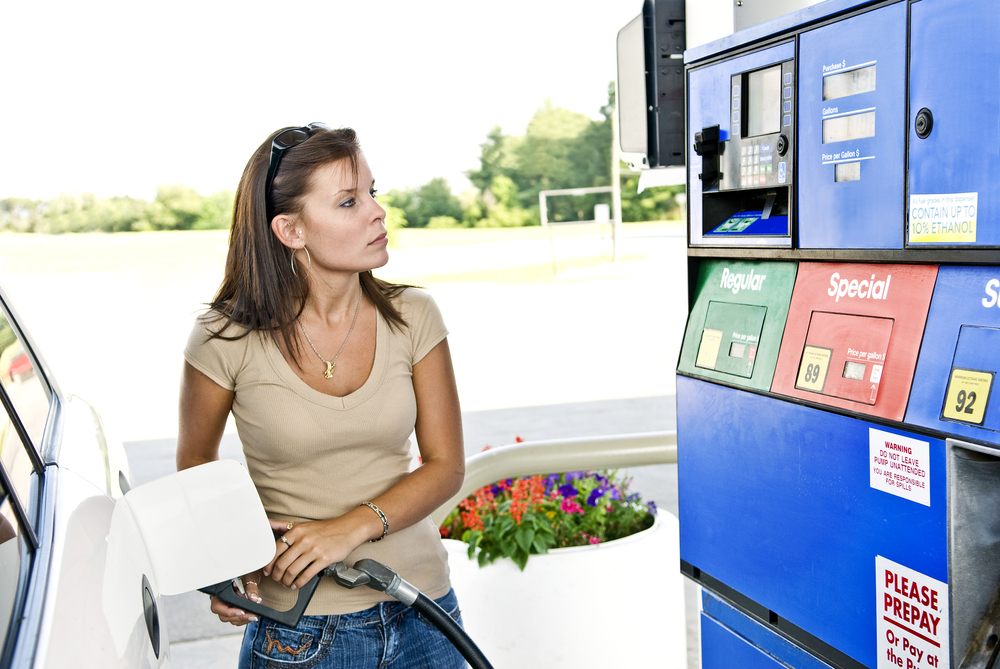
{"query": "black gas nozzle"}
(376, 576)
(227, 593)
(708, 145)
(345, 576)
(380, 575)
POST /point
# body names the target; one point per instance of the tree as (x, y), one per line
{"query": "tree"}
(18, 214)
(560, 149)
(420, 205)
(216, 211)
(435, 198)
(505, 211)
(175, 208)
(494, 160)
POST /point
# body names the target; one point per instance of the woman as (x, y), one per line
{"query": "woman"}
(327, 371)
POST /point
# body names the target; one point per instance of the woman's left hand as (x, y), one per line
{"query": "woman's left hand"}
(310, 546)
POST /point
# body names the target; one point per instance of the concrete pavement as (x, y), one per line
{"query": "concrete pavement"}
(590, 353)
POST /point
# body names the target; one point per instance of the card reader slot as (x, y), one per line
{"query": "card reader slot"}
(763, 204)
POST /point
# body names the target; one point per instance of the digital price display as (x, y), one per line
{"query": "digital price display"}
(852, 126)
(763, 101)
(842, 84)
(854, 371)
(847, 171)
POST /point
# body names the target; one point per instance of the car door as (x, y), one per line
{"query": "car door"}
(26, 406)
(70, 594)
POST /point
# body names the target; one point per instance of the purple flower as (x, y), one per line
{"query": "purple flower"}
(634, 497)
(615, 493)
(551, 481)
(595, 495)
(572, 476)
(568, 491)
(601, 480)
(651, 507)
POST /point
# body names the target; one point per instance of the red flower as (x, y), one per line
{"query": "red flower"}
(445, 532)
(471, 506)
(518, 440)
(472, 520)
(527, 493)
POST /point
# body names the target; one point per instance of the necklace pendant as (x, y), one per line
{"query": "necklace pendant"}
(330, 366)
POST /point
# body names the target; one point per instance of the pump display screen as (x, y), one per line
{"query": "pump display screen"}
(763, 101)
(844, 128)
(854, 370)
(861, 80)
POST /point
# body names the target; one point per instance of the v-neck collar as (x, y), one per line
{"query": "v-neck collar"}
(300, 387)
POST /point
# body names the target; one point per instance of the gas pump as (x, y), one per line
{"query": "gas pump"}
(838, 442)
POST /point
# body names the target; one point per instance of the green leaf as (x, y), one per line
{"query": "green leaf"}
(524, 537)
(543, 542)
(520, 558)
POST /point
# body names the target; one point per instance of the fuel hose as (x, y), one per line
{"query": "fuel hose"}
(376, 576)
(380, 577)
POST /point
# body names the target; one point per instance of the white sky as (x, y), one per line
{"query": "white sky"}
(115, 97)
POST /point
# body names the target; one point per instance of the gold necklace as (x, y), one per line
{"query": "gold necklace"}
(332, 364)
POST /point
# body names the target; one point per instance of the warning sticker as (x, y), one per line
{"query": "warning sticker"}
(943, 218)
(900, 465)
(912, 612)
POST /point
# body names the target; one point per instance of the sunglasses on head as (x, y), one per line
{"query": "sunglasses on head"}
(285, 140)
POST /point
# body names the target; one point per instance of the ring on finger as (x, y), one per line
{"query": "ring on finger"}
(284, 540)
(250, 583)
(290, 524)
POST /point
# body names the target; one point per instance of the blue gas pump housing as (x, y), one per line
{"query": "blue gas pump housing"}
(846, 512)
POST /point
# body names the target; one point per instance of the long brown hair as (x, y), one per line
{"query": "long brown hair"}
(259, 290)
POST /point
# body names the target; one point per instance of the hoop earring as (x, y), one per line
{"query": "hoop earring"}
(308, 259)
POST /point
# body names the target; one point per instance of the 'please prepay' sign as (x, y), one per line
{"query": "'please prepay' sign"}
(912, 611)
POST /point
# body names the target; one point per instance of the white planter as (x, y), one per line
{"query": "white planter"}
(617, 604)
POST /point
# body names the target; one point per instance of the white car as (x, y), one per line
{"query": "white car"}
(84, 561)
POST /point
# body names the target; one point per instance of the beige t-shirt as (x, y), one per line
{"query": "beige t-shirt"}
(313, 456)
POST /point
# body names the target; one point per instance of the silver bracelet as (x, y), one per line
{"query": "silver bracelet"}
(385, 523)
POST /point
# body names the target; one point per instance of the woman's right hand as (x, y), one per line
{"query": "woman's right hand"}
(234, 615)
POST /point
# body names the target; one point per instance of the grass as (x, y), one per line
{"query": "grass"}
(521, 275)
(413, 238)
(179, 252)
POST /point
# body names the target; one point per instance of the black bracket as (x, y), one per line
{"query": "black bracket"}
(708, 146)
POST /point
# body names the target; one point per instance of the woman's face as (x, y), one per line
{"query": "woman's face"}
(342, 225)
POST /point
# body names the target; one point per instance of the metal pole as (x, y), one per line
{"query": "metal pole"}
(616, 186)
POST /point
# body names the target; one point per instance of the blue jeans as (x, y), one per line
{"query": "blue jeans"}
(389, 635)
